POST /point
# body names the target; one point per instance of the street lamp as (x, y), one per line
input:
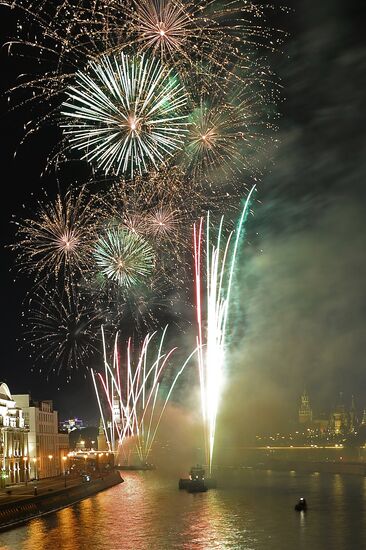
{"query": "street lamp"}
(50, 457)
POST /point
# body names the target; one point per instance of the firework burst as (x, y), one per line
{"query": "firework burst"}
(227, 131)
(189, 31)
(162, 223)
(158, 206)
(125, 113)
(79, 50)
(61, 329)
(58, 241)
(123, 257)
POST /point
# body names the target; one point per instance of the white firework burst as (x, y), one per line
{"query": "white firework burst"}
(126, 113)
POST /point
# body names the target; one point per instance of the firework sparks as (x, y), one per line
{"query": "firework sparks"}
(58, 241)
(226, 129)
(126, 113)
(162, 26)
(186, 32)
(212, 344)
(133, 407)
(162, 222)
(61, 329)
(159, 207)
(81, 49)
(123, 257)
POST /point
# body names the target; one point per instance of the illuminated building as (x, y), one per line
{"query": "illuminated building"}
(14, 454)
(72, 424)
(338, 423)
(47, 446)
(305, 411)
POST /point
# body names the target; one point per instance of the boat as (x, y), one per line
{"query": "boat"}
(197, 482)
(301, 506)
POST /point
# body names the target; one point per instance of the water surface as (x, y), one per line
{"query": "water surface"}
(251, 510)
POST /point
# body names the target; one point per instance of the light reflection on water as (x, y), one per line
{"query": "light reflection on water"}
(250, 511)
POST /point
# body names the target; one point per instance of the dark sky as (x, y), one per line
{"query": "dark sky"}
(302, 298)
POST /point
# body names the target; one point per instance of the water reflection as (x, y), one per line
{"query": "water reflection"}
(212, 523)
(250, 511)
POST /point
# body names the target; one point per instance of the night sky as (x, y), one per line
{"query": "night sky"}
(302, 291)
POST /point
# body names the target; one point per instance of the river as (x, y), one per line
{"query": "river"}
(251, 510)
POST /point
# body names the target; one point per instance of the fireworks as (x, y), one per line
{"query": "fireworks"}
(168, 99)
(162, 26)
(189, 31)
(126, 113)
(226, 129)
(158, 207)
(134, 408)
(162, 222)
(79, 47)
(123, 257)
(58, 241)
(212, 345)
(61, 329)
(136, 309)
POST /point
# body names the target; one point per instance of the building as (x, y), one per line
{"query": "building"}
(343, 421)
(340, 421)
(72, 424)
(305, 411)
(14, 454)
(47, 447)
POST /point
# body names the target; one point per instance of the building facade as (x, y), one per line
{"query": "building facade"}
(47, 448)
(72, 424)
(341, 420)
(305, 411)
(14, 453)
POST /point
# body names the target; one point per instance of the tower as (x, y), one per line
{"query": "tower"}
(353, 419)
(102, 440)
(305, 411)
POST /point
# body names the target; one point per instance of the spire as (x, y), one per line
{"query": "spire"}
(102, 440)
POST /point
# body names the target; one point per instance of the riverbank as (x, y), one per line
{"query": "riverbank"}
(21, 507)
(332, 459)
